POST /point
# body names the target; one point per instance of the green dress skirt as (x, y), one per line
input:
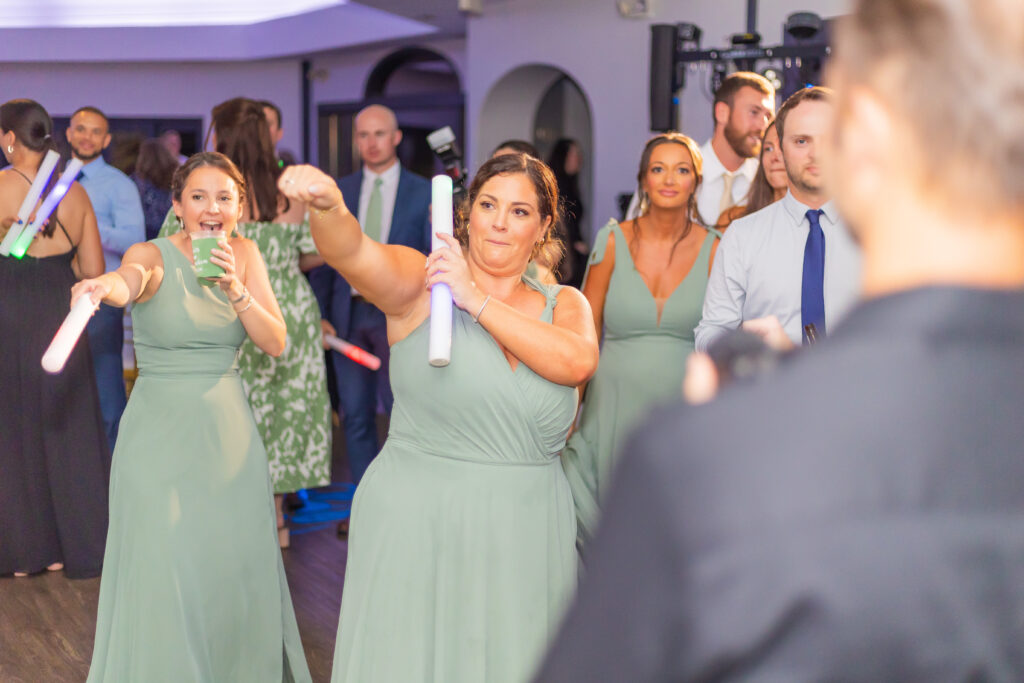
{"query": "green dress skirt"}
(642, 364)
(288, 394)
(193, 589)
(461, 552)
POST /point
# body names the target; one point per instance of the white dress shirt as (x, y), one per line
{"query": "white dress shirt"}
(758, 271)
(709, 196)
(388, 192)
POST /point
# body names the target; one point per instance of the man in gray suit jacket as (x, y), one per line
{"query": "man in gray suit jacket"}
(859, 515)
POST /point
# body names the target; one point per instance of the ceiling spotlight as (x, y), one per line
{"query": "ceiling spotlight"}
(773, 76)
(803, 25)
(634, 9)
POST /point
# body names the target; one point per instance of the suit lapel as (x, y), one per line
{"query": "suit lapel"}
(398, 217)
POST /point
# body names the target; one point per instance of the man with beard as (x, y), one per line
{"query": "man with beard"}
(794, 260)
(743, 107)
(115, 199)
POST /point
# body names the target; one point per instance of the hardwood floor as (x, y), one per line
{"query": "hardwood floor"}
(47, 621)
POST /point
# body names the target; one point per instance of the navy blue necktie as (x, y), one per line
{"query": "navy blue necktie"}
(812, 289)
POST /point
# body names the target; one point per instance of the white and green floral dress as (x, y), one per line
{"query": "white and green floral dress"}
(288, 394)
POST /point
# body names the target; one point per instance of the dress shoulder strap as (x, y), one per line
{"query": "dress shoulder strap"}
(550, 293)
(601, 241)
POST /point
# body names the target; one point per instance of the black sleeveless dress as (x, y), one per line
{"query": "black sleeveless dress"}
(54, 460)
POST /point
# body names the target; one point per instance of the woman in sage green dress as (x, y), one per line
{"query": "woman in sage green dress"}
(193, 587)
(461, 549)
(287, 394)
(645, 283)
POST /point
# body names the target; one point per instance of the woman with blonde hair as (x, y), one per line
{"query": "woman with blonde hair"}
(645, 283)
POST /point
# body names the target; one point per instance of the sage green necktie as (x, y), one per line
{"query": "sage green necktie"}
(371, 226)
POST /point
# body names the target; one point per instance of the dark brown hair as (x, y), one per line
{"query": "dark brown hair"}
(155, 164)
(33, 129)
(267, 104)
(813, 94)
(733, 83)
(206, 160)
(550, 248)
(761, 191)
(692, 215)
(517, 145)
(244, 137)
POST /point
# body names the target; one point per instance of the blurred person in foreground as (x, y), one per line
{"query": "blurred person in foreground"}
(858, 515)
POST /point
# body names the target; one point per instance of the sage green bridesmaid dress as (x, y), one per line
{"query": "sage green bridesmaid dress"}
(461, 552)
(642, 364)
(193, 588)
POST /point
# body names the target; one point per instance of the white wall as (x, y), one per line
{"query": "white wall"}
(158, 89)
(341, 77)
(609, 58)
(192, 89)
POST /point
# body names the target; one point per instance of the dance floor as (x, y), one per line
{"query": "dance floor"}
(47, 621)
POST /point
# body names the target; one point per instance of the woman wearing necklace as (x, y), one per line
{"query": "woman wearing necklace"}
(53, 451)
(645, 282)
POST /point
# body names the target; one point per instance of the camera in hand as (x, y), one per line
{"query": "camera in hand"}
(442, 142)
(740, 356)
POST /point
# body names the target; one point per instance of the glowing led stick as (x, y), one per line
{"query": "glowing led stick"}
(440, 353)
(353, 352)
(42, 176)
(67, 336)
(47, 208)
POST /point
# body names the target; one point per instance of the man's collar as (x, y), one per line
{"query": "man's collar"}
(798, 211)
(713, 167)
(93, 166)
(390, 175)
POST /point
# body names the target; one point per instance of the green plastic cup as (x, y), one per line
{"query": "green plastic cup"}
(202, 242)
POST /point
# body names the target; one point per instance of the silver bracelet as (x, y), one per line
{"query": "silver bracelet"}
(476, 318)
(247, 306)
(241, 297)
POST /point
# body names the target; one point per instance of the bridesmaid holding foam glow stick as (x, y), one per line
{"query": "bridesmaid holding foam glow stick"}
(462, 529)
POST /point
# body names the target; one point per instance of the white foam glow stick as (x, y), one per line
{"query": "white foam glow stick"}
(442, 220)
(36, 189)
(47, 207)
(67, 336)
(353, 352)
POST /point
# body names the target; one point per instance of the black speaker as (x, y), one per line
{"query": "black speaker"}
(665, 84)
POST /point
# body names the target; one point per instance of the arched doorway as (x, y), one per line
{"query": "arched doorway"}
(539, 103)
(421, 86)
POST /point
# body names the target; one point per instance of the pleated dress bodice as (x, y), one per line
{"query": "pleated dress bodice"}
(461, 551)
(478, 407)
(203, 341)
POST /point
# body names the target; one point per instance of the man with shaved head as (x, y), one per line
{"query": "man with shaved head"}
(393, 208)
